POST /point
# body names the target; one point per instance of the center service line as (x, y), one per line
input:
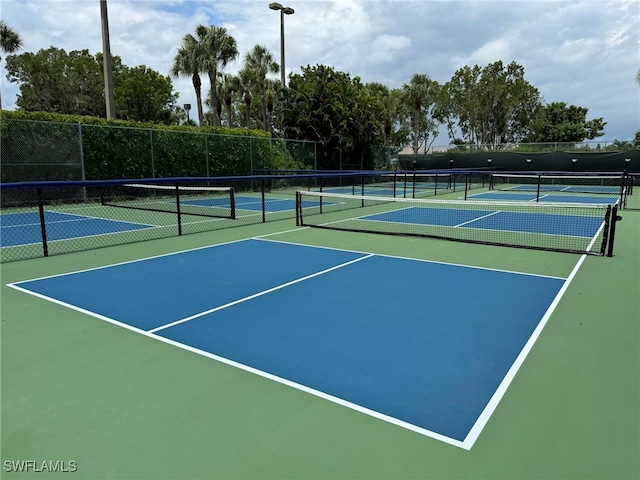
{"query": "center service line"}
(259, 294)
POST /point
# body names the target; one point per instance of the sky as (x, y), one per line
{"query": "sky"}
(584, 53)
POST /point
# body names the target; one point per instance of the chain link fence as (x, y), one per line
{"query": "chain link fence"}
(50, 151)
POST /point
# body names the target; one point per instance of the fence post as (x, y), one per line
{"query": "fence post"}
(43, 228)
(153, 162)
(80, 145)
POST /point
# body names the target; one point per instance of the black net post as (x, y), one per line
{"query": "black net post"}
(178, 209)
(413, 187)
(466, 185)
(232, 201)
(264, 209)
(298, 212)
(605, 230)
(538, 188)
(43, 228)
(612, 232)
(395, 179)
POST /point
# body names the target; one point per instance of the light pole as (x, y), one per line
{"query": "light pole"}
(106, 54)
(283, 11)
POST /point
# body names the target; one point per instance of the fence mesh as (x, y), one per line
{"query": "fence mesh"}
(50, 151)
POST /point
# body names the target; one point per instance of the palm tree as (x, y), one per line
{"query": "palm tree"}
(245, 81)
(10, 42)
(187, 63)
(417, 96)
(273, 87)
(260, 62)
(227, 85)
(218, 49)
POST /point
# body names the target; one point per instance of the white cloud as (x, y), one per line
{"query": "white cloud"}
(385, 48)
(581, 52)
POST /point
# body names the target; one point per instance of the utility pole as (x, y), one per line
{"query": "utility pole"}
(108, 65)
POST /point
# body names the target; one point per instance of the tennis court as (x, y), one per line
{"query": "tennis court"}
(224, 317)
(272, 350)
(25, 229)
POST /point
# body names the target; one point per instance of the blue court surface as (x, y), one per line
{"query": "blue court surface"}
(531, 197)
(612, 189)
(24, 228)
(544, 223)
(400, 191)
(330, 323)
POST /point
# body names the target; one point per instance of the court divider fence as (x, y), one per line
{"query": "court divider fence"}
(50, 218)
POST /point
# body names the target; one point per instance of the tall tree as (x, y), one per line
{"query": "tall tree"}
(10, 42)
(420, 94)
(244, 86)
(331, 108)
(53, 80)
(392, 113)
(227, 86)
(558, 122)
(187, 62)
(218, 48)
(493, 105)
(145, 95)
(259, 62)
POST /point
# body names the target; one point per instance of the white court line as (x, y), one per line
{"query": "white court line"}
(261, 238)
(261, 373)
(482, 420)
(477, 427)
(127, 262)
(259, 294)
(476, 219)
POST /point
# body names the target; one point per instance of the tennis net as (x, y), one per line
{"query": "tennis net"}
(411, 184)
(562, 227)
(203, 201)
(590, 184)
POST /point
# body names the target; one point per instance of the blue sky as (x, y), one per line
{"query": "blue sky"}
(584, 53)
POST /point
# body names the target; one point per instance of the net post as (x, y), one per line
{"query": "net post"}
(178, 209)
(466, 185)
(232, 201)
(298, 195)
(605, 230)
(395, 178)
(362, 188)
(264, 214)
(623, 190)
(612, 232)
(43, 227)
(538, 188)
(413, 186)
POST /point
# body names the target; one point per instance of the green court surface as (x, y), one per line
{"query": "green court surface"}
(124, 406)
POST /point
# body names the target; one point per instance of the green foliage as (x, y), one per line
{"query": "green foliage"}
(143, 94)
(41, 145)
(53, 80)
(331, 108)
(420, 96)
(558, 122)
(492, 106)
